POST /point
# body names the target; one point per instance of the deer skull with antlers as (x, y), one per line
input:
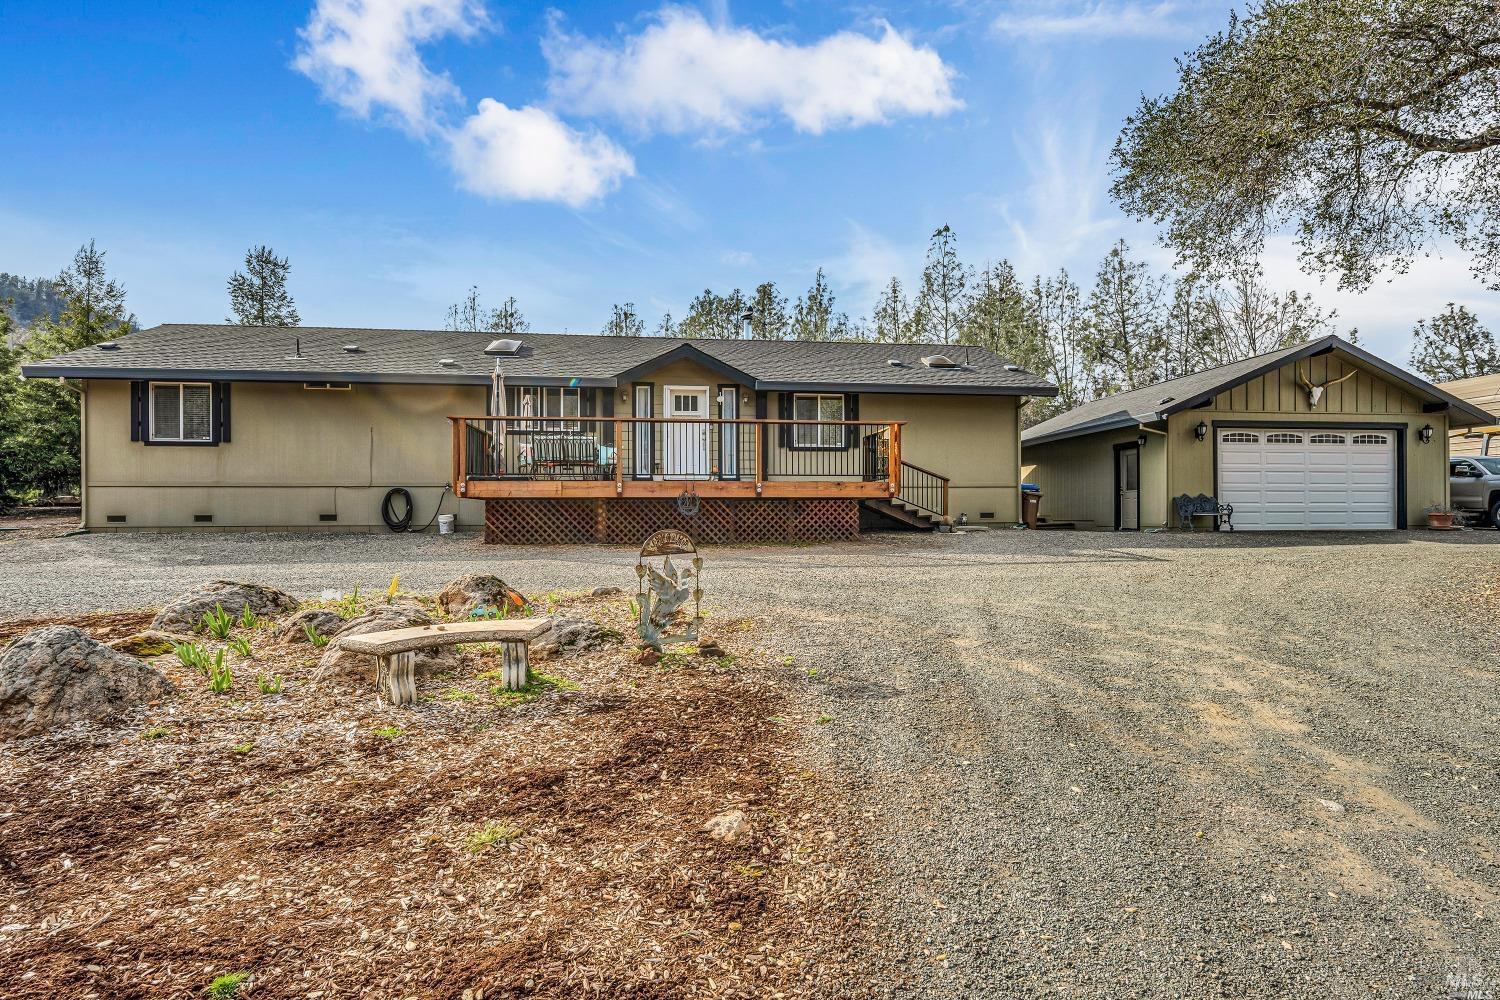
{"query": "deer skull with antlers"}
(1315, 392)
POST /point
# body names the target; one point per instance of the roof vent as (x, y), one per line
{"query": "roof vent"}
(109, 345)
(351, 348)
(1165, 400)
(895, 362)
(1015, 368)
(503, 346)
(939, 361)
(447, 362)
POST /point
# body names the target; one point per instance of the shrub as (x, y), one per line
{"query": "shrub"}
(218, 622)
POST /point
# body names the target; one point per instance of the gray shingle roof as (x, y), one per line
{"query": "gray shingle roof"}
(1155, 402)
(210, 351)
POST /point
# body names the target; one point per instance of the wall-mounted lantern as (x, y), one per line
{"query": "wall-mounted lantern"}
(1425, 434)
(1201, 431)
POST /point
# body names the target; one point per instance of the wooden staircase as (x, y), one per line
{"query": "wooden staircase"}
(922, 502)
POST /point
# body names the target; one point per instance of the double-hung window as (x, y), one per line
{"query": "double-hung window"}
(552, 402)
(818, 406)
(182, 412)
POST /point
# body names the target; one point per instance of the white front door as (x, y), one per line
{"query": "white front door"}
(685, 443)
(1130, 488)
(1308, 478)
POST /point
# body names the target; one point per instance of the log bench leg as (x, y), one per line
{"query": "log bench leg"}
(395, 678)
(515, 667)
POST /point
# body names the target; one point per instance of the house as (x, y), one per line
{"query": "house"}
(541, 437)
(1322, 435)
(1483, 392)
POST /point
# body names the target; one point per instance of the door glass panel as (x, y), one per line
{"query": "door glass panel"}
(1131, 471)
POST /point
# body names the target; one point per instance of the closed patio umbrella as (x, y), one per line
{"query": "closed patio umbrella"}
(497, 408)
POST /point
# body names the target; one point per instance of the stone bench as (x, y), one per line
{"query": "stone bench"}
(397, 651)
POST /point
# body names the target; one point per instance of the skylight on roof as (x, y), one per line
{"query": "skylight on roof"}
(504, 345)
(939, 361)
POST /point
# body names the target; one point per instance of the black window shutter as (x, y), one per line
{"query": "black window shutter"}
(221, 410)
(851, 412)
(784, 409)
(586, 398)
(607, 397)
(138, 411)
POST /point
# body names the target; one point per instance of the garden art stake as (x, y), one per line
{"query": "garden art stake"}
(664, 591)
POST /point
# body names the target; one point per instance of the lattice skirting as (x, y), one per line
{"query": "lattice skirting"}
(628, 522)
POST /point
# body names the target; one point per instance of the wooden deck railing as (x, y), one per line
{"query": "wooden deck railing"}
(497, 456)
(923, 489)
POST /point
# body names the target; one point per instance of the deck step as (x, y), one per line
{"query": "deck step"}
(915, 517)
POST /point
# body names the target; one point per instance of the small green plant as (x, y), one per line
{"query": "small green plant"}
(193, 656)
(269, 684)
(750, 870)
(824, 719)
(313, 636)
(812, 671)
(538, 685)
(156, 733)
(492, 833)
(218, 622)
(390, 592)
(348, 607)
(227, 985)
(241, 645)
(248, 619)
(458, 694)
(220, 677)
(390, 732)
(242, 748)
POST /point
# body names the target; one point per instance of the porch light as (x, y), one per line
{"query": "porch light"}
(1425, 434)
(1141, 441)
(1201, 431)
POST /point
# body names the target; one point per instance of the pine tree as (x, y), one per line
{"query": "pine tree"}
(1058, 304)
(469, 316)
(1453, 345)
(814, 318)
(1247, 318)
(1001, 317)
(892, 318)
(624, 322)
(711, 316)
(258, 297)
(1124, 337)
(769, 318)
(944, 279)
(507, 320)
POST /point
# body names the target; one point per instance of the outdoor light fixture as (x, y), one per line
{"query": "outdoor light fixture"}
(1201, 431)
(1141, 441)
(1425, 434)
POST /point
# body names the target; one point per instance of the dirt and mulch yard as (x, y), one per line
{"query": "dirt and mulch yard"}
(482, 844)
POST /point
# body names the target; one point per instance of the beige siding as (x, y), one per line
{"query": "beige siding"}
(970, 439)
(1483, 392)
(1077, 478)
(294, 454)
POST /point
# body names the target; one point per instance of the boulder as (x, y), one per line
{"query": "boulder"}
(185, 612)
(320, 620)
(57, 675)
(336, 661)
(148, 643)
(473, 590)
(605, 592)
(573, 635)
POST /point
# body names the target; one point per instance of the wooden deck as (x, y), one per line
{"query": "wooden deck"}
(488, 489)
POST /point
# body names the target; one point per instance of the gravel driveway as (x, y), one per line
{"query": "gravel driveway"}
(1082, 764)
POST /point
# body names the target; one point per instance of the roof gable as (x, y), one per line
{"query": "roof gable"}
(1158, 401)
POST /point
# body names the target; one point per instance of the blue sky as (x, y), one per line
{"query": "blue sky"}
(579, 155)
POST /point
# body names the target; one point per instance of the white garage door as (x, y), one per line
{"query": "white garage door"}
(1308, 478)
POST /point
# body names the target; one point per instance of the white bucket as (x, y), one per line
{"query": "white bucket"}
(445, 524)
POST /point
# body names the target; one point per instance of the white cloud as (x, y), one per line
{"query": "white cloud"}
(531, 154)
(363, 54)
(683, 74)
(1100, 19)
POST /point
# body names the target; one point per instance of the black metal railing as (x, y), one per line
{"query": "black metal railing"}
(923, 489)
(630, 448)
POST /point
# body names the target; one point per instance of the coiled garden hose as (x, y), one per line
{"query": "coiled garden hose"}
(402, 522)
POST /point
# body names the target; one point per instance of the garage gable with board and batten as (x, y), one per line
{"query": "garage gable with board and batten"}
(1318, 436)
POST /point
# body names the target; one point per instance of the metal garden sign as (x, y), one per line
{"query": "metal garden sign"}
(665, 589)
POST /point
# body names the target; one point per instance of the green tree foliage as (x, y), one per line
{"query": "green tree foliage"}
(624, 321)
(39, 450)
(1246, 318)
(30, 299)
(940, 301)
(769, 317)
(1002, 317)
(258, 295)
(711, 316)
(815, 318)
(1058, 305)
(468, 315)
(892, 317)
(1124, 337)
(1453, 345)
(1371, 128)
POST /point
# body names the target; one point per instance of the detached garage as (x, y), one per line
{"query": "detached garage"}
(1320, 436)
